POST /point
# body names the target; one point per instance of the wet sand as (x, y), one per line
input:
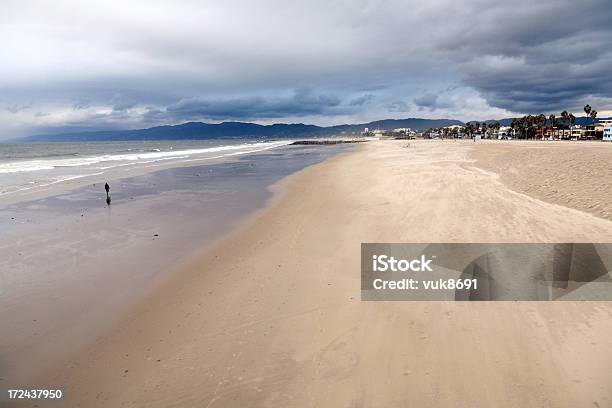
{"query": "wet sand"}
(70, 265)
(271, 315)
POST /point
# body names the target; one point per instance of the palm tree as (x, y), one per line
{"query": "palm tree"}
(572, 119)
(529, 122)
(445, 132)
(564, 116)
(515, 125)
(553, 123)
(540, 121)
(588, 110)
(494, 126)
(523, 125)
(594, 116)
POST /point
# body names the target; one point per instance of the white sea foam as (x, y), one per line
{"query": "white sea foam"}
(30, 175)
(114, 160)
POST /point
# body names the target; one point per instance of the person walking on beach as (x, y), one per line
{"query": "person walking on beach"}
(107, 188)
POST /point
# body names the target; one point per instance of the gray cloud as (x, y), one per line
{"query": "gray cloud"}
(350, 59)
(361, 100)
(16, 108)
(398, 106)
(522, 85)
(302, 103)
(428, 100)
(82, 104)
(121, 103)
(544, 56)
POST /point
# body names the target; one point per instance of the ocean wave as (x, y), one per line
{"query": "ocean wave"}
(130, 158)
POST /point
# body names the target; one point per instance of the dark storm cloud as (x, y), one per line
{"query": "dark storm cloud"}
(532, 87)
(349, 59)
(428, 100)
(303, 102)
(532, 57)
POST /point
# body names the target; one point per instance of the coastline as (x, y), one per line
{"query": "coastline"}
(271, 314)
(70, 265)
(127, 169)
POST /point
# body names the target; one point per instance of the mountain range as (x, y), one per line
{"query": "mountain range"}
(201, 130)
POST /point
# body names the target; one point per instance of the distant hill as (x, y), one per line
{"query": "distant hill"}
(388, 124)
(200, 130)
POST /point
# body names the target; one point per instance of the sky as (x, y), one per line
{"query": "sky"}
(91, 65)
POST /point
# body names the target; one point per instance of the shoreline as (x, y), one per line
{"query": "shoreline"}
(84, 263)
(117, 173)
(271, 315)
(54, 373)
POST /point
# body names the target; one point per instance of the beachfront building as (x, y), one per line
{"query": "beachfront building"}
(553, 134)
(378, 133)
(607, 132)
(453, 127)
(452, 131)
(577, 133)
(432, 134)
(504, 132)
(401, 133)
(403, 130)
(594, 131)
(565, 134)
(544, 133)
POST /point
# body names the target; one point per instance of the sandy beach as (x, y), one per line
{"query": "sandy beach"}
(271, 316)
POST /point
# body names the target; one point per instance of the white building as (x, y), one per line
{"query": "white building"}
(505, 132)
(577, 132)
(607, 133)
(403, 130)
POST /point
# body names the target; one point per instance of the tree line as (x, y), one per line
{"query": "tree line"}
(527, 126)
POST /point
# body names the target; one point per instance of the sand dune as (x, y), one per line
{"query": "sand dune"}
(272, 315)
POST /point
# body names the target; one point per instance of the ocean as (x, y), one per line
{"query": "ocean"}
(30, 166)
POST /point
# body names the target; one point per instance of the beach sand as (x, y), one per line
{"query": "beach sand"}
(573, 175)
(272, 315)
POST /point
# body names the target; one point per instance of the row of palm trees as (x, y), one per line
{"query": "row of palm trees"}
(475, 127)
(527, 126)
(470, 128)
